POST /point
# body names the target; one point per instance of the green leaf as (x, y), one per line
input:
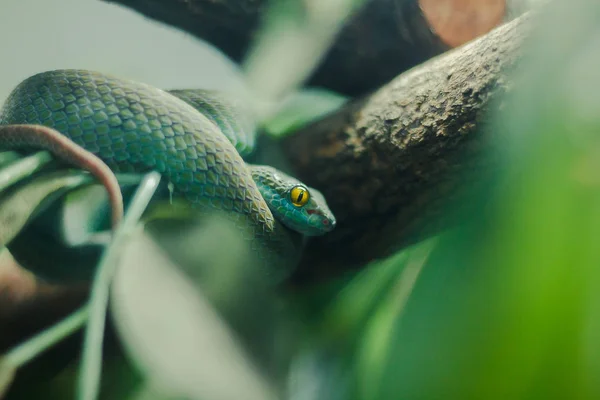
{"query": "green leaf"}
(147, 392)
(374, 348)
(292, 40)
(302, 108)
(7, 374)
(22, 168)
(25, 352)
(170, 327)
(7, 157)
(20, 355)
(354, 304)
(21, 204)
(89, 381)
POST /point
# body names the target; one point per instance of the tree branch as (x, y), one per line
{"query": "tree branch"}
(391, 164)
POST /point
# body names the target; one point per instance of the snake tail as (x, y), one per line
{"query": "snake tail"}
(42, 137)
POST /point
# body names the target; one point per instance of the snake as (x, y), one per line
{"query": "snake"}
(199, 140)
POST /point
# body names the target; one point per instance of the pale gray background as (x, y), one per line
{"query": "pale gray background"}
(39, 35)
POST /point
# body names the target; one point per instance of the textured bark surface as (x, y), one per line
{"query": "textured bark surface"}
(390, 165)
(383, 39)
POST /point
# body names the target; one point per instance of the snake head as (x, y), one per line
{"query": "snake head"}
(292, 203)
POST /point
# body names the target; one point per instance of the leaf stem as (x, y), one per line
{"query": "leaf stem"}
(25, 352)
(91, 367)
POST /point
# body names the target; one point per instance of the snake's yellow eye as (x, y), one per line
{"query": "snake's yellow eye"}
(299, 196)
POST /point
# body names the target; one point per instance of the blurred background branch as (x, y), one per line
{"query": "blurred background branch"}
(381, 40)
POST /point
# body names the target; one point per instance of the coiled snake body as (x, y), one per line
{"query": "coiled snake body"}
(196, 139)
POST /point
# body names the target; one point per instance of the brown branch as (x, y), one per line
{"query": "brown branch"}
(383, 39)
(390, 165)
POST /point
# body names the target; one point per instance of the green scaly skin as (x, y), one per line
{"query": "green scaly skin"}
(233, 119)
(230, 115)
(134, 127)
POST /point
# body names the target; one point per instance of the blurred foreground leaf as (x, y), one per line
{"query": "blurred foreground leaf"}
(506, 305)
(7, 157)
(170, 328)
(91, 367)
(20, 205)
(6, 377)
(296, 35)
(360, 299)
(31, 348)
(301, 108)
(7, 373)
(22, 168)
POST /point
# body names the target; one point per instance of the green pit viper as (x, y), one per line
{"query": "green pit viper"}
(196, 139)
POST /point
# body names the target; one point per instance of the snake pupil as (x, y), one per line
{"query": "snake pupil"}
(299, 196)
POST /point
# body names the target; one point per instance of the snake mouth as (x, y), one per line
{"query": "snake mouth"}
(328, 224)
(321, 222)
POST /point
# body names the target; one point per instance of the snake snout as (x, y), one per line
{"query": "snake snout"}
(323, 222)
(329, 223)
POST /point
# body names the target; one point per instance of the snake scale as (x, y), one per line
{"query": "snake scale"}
(196, 139)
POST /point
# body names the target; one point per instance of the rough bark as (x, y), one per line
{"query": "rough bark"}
(391, 164)
(380, 41)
